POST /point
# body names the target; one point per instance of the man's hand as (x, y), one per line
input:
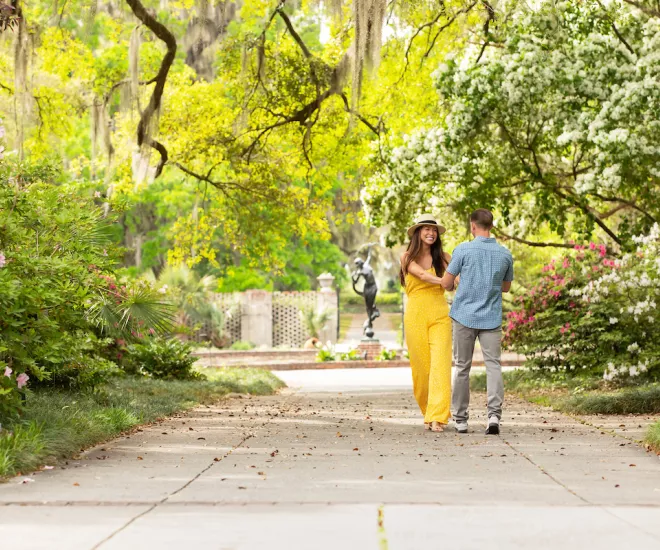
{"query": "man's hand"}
(448, 281)
(506, 286)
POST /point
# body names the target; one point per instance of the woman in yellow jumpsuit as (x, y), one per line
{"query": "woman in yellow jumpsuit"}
(426, 322)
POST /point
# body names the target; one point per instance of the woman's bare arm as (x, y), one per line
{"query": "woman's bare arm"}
(448, 280)
(418, 271)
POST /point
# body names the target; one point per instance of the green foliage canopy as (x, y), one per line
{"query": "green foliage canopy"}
(553, 122)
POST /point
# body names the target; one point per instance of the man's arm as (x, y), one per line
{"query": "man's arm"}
(454, 267)
(448, 280)
(508, 277)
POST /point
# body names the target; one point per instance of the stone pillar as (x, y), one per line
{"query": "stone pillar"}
(327, 301)
(257, 317)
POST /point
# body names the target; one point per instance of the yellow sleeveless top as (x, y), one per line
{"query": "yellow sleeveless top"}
(415, 286)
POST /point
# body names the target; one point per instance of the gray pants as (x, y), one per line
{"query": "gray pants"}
(490, 341)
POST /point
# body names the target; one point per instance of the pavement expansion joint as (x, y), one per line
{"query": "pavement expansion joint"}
(545, 472)
(287, 503)
(287, 397)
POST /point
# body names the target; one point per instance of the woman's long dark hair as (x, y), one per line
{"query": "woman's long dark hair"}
(415, 246)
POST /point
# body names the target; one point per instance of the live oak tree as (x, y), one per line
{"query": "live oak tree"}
(245, 108)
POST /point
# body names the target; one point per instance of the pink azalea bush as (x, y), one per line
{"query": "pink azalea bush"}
(12, 391)
(593, 314)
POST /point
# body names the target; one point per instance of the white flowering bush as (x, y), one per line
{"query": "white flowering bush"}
(595, 315)
(557, 123)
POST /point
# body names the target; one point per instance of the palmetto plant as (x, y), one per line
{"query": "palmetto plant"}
(314, 321)
(192, 297)
(131, 311)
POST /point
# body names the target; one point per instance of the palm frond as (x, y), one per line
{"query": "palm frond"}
(144, 309)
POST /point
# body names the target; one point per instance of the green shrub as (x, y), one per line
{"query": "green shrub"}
(54, 248)
(351, 355)
(383, 299)
(165, 359)
(325, 354)
(242, 346)
(386, 355)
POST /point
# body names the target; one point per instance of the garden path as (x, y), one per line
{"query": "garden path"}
(342, 463)
(384, 328)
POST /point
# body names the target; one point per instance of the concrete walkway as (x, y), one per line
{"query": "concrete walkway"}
(346, 466)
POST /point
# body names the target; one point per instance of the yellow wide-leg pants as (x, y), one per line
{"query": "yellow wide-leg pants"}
(428, 337)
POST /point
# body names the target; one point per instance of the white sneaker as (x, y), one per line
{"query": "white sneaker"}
(493, 425)
(461, 427)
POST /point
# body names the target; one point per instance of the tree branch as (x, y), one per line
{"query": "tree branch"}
(491, 17)
(530, 243)
(449, 23)
(631, 204)
(646, 9)
(294, 34)
(153, 107)
(364, 121)
(616, 31)
(223, 186)
(622, 39)
(589, 212)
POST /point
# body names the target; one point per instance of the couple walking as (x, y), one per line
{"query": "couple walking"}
(485, 269)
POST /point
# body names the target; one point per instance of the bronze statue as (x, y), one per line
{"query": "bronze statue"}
(369, 291)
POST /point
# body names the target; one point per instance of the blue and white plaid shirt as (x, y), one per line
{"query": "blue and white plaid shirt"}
(483, 265)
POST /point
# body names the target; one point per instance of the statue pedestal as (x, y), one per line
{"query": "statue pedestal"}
(370, 347)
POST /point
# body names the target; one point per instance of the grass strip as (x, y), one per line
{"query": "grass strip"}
(59, 424)
(640, 400)
(577, 395)
(652, 438)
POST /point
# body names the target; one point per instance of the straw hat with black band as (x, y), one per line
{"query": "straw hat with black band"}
(425, 219)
